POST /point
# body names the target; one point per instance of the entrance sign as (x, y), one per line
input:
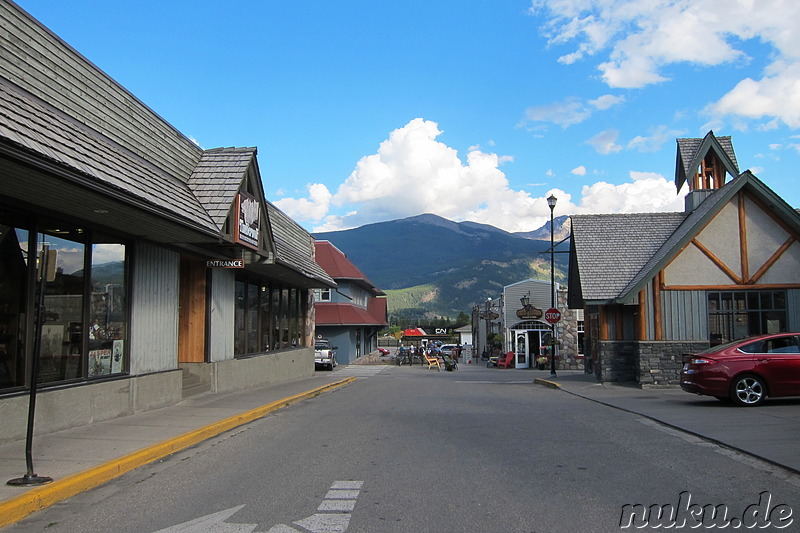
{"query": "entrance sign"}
(552, 315)
(225, 263)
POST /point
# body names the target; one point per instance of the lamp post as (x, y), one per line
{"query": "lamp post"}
(551, 202)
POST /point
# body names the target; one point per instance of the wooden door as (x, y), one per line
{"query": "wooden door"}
(192, 317)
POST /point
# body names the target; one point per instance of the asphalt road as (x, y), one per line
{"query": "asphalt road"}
(411, 450)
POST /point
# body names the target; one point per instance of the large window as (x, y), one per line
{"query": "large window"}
(267, 318)
(734, 315)
(85, 316)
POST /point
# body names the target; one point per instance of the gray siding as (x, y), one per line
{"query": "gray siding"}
(684, 315)
(793, 311)
(221, 315)
(44, 65)
(154, 309)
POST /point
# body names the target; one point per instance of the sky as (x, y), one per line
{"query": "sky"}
(368, 110)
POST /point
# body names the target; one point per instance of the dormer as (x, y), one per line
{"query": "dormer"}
(704, 163)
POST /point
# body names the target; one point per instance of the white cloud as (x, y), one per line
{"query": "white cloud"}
(642, 37)
(606, 101)
(571, 110)
(413, 173)
(647, 192)
(605, 142)
(653, 142)
(564, 113)
(579, 171)
(315, 207)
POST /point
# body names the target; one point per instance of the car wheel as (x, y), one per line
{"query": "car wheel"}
(748, 390)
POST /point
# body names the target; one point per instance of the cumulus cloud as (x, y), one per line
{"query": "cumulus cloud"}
(315, 207)
(638, 39)
(413, 173)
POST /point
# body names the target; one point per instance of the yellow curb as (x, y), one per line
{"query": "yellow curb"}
(547, 383)
(19, 507)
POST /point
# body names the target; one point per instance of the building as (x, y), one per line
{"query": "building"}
(170, 272)
(517, 318)
(352, 314)
(656, 285)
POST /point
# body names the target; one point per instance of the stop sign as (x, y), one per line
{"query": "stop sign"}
(552, 315)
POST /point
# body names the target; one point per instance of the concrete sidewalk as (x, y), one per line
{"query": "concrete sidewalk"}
(770, 432)
(81, 458)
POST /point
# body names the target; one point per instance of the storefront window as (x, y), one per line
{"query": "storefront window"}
(266, 318)
(13, 304)
(107, 310)
(62, 327)
(738, 314)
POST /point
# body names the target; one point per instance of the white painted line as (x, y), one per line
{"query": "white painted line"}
(335, 494)
(325, 523)
(352, 485)
(342, 506)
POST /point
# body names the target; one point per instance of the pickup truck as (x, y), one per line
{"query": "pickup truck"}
(324, 354)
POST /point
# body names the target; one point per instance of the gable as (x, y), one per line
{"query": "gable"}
(743, 244)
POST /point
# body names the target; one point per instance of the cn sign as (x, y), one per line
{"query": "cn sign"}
(552, 315)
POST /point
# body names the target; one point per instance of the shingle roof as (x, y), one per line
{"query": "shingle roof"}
(40, 129)
(294, 246)
(612, 249)
(218, 177)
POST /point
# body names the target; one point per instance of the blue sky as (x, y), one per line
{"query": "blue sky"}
(364, 111)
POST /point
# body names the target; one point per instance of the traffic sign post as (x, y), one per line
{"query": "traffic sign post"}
(552, 315)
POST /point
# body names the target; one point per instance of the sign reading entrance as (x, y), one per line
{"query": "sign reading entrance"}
(552, 315)
(225, 263)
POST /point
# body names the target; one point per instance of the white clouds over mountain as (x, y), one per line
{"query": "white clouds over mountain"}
(414, 173)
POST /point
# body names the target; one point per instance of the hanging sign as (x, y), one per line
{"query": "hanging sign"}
(247, 223)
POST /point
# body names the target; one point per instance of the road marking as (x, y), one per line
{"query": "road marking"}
(360, 371)
(333, 518)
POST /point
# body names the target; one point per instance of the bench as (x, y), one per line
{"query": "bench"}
(506, 360)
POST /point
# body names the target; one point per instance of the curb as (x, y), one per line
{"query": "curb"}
(547, 383)
(17, 508)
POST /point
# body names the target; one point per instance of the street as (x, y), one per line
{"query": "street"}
(405, 449)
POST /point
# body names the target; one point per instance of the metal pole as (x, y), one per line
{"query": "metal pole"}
(30, 478)
(552, 205)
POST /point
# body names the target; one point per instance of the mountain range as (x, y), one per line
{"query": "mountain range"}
(433, 267)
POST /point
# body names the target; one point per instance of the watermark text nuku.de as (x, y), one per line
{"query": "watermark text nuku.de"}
(690, 515)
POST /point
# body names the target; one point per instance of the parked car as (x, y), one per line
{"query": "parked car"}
(383, 351)
(746, 371)
(447, 348)
(324, 354)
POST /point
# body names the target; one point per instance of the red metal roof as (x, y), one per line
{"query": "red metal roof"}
(336, 264)
(345, 314)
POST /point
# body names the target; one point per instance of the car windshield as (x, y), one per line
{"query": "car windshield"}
(720, 347)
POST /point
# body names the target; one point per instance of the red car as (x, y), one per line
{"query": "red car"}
(746, 371)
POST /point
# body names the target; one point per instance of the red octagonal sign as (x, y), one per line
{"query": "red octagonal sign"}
(552, 315)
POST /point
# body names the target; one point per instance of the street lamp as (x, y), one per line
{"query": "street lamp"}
(551, 202)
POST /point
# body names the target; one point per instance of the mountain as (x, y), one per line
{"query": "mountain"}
(431, 266)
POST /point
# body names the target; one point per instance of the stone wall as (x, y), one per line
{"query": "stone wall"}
(660, 362)
(648, 363)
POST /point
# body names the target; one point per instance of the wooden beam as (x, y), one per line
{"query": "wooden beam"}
(771, 261)
(743, 237)
(603, 323)
(714, 259)
(764, 286)
(658, 326)
(619, 333)
(641, 322)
